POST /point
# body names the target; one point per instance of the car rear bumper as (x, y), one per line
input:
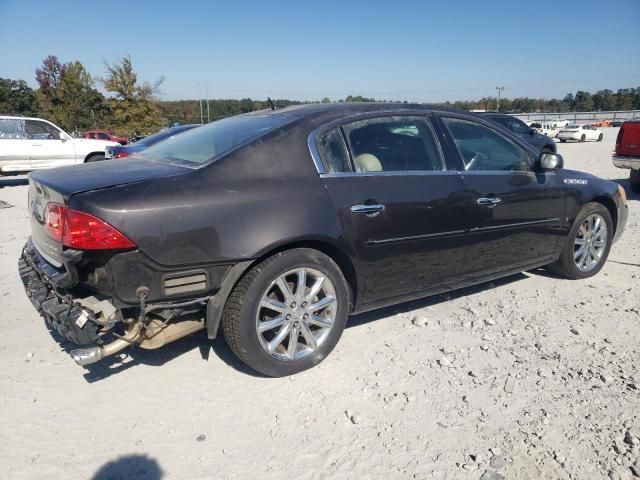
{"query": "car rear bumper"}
(626, 162)
(59, 307)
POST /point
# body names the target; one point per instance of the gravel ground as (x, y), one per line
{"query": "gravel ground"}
(528, 377)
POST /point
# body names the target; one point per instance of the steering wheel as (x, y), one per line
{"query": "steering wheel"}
(477, 159)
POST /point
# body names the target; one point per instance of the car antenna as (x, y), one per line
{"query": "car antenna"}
(273, 107)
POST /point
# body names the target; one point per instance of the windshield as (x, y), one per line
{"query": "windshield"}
(156, 137)
(200, 145)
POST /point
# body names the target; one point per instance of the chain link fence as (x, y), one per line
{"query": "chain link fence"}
(581, 117)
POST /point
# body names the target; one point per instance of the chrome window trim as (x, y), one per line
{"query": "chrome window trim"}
(399, 173)
(312, 144)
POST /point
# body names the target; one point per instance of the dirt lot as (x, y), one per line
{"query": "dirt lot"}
(530, 377)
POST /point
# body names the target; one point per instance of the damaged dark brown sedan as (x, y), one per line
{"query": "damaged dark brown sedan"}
(276, 226)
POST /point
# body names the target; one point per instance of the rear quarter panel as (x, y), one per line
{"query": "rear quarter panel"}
(240, 207)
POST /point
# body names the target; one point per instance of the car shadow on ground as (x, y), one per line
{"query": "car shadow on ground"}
(374, 315)
(137, 466)
(135, 356)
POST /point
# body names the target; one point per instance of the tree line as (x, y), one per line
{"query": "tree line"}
(67, 96)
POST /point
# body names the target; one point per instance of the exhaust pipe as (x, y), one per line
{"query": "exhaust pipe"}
(155, 335)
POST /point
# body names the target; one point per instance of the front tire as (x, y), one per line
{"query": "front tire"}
(587, 246)
(634, 180)
(287, 313)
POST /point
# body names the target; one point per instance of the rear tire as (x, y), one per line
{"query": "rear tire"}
(94, 158)
(634, 180)
(600, 137)
(268, 348)
(566, 265)
(562, 140)
(583, 138)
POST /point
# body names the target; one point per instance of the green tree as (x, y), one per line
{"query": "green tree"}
(133, 108)
(67, 95)
(583, 101)
(17, 98)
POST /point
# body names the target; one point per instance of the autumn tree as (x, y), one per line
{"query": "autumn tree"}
(67, 95)
(133, 107)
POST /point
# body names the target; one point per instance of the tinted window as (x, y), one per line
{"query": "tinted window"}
(10, 129)
(334, 152)
(201, 145)
(482, 148)
(41, 130)
(102, 136)
(393, 144)
(515, 125)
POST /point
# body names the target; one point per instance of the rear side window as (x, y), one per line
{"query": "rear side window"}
(200, 145)
(482, 148)
(10, 129)
(393, 144)
(333, 152)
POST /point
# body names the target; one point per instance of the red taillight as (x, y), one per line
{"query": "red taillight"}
(619, 137)
(122, 155)
(80, 230)
(54, 221)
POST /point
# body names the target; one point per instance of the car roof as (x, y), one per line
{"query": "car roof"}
(332, 111)
(20, 117)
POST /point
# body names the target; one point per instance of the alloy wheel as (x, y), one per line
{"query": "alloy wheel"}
(590, 243)
(296, 314)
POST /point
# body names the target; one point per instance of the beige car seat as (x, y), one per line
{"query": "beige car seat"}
(365, 162)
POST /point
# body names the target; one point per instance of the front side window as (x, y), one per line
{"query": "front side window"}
(393, 144)
(10, 129)
(482, 148)
(103, 136)
(37, 130)
(201, 145)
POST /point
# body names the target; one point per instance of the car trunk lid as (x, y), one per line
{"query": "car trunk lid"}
(59, 184)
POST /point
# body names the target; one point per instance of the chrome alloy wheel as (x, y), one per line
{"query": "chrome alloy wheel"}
(296, 314)
(590, 243)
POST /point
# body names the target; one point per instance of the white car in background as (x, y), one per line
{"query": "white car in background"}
(580, 133)
(32, 143)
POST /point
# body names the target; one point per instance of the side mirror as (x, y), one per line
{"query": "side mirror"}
(63, 136)
(551, 161)
(532, 131)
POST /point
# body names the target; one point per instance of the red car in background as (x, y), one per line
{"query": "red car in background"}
(627, 153)
(105, 135)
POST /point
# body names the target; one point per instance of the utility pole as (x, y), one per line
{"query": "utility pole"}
(500, 89)
(199, 85)
(206, 83)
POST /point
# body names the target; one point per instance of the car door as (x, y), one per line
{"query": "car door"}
(48, 146)
(14, 155)
(403, 213)
(516, 216)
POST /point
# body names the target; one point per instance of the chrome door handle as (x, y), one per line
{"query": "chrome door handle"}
(489, 201)
(368, 209)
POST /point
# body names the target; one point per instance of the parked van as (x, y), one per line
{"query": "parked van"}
(627, 154)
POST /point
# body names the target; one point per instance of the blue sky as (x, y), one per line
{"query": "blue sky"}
(400, 50)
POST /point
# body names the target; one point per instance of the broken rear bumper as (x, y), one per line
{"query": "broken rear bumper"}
(56, 305)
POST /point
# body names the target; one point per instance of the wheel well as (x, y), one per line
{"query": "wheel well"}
(91, 155)
(336, 254)
(610, 205)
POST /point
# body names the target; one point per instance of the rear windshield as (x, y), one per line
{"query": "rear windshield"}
(203, 144)
(156, 137)
(572, 126)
